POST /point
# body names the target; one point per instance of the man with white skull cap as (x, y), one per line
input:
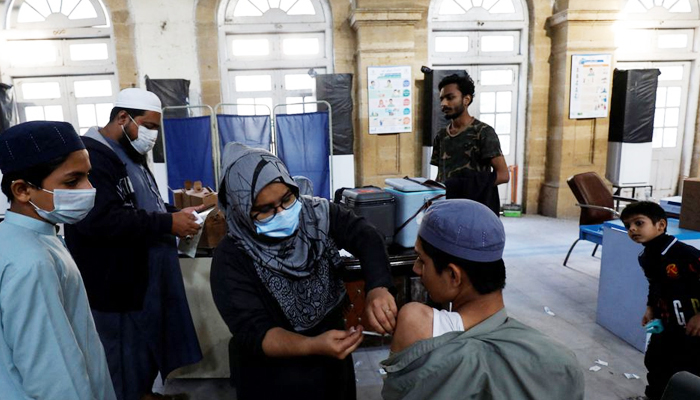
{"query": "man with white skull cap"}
(126, 251)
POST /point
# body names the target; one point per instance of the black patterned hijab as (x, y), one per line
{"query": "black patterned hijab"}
(299, 271)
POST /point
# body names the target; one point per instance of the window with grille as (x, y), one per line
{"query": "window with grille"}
(60, 59)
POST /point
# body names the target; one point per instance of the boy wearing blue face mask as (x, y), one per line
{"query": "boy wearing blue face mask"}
(49, 347)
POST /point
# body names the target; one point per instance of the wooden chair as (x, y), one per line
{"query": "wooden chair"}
(597, 206)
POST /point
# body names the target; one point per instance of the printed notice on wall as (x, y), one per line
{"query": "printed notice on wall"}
(390, 99)
(590, 86)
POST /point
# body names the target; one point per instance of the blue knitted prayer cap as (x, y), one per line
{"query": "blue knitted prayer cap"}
(465, 229)
(34, 143)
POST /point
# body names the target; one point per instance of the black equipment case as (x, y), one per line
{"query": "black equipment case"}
(376, 206)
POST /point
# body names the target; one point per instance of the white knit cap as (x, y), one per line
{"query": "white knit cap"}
(138, 99)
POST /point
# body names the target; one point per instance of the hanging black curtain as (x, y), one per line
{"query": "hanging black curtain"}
(171, 92)
(632, 105)
(336, 89)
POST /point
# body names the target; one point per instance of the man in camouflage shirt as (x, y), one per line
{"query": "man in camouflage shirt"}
(467, 152)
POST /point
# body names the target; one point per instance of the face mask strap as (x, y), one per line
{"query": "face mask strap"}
(28, 183)
(36, 208)
(124, 126)
(41, 188)
(37, 187)
(126, 134)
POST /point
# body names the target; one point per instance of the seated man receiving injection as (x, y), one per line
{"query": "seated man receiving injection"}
(475, 350)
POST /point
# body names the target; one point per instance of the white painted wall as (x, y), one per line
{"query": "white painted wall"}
(165, 41)
(166, 49)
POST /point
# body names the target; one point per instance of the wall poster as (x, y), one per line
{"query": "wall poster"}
(390, 99)
(590, 86)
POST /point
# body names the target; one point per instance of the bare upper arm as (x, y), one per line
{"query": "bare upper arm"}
(499, 165)
(414, 323)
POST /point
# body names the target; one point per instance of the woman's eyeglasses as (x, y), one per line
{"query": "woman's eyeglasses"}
(267, 213)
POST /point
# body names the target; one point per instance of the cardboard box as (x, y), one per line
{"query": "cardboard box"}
(690, 205)
(194, 195)
(180, 199)
(214, 229)
(206, 197)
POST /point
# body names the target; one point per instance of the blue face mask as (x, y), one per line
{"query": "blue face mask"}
(70, 206)
(284, 224)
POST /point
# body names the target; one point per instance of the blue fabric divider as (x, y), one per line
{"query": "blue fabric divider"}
(188, 151)
(251, 130)
(303, 145)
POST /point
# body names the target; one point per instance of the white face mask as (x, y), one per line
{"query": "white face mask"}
(70, 206)
(146, 139)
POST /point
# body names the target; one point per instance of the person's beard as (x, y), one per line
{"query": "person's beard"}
(457, 112)
(130, 151)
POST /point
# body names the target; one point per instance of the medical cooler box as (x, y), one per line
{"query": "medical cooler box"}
(411, 196)
(375, 205)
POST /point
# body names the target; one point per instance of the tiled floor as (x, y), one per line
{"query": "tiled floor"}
(535, 250)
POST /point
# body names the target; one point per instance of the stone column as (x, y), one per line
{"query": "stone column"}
(385, 37)
(124, 42)
(533, 170)
(574, 145)
(208, 51)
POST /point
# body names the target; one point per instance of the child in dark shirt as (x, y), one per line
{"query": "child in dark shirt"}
(673, 271)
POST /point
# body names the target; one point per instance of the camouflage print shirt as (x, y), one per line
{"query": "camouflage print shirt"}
(473, 148)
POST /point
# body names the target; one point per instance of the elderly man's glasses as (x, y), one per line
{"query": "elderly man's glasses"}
(267, 212)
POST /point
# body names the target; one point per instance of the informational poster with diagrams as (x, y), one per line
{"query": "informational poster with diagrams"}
(390, 99)
(591, 75)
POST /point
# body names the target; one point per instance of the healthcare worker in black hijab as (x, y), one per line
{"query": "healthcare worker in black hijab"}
(276, 280)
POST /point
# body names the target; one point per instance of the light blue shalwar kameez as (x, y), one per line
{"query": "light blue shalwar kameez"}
(49, 348)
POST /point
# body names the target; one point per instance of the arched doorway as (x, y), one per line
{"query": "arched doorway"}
(488, 39)
(662, 34)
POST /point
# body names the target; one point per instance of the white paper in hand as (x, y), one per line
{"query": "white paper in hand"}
(198, 217)
(188, 245)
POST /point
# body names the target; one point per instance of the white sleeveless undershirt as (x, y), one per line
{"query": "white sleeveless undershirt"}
(446, 321)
